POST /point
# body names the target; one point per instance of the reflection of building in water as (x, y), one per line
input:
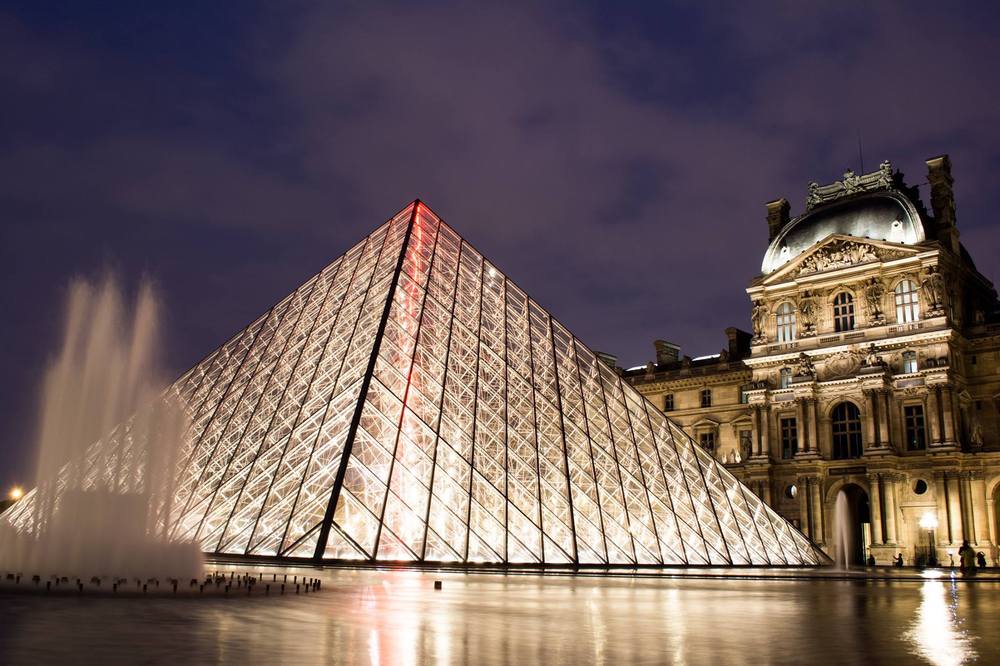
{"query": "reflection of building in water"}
(873, 366)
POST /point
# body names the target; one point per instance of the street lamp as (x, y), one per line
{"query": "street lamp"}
(929, 522)
(16, 493)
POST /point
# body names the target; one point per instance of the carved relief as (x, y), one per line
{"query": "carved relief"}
(844, 253)
(805, 367)
(842, 364)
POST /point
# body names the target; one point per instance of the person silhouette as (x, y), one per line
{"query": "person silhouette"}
(981, 559)
(898, 560)
(966, 559)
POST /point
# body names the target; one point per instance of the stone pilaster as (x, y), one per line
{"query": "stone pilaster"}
(889, 496)
(878, 536)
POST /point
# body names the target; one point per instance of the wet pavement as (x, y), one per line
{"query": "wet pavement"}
(397, 617)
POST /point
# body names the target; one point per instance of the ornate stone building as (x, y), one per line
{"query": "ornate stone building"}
(873, 374)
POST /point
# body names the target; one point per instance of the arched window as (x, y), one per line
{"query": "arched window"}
(907, 302)
(786, 322)
(843, 312)
(846, 431)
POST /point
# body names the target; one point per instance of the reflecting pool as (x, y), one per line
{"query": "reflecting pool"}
(397, 617)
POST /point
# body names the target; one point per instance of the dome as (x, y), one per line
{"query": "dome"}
(886, 216)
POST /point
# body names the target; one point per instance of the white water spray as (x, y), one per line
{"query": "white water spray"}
(107, 444)
(843, 541)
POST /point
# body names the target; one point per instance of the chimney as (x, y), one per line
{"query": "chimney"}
(739, 343)
(943, 201)
(777, 217)
(666, 352)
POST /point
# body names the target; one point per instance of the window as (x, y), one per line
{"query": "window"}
(846, 431)
(907, 302)
(909, 362)
(786, 378)
(913, 418)
(668, 402)
(920, 487)
(706, 397)
(791, 491)
(843, 312)
(789, 437)
(786, 322)
(707, 441)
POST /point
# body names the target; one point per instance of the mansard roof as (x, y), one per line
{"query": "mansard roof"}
(874, 206)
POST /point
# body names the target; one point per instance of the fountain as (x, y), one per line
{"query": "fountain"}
(843, 539)
(108, 442)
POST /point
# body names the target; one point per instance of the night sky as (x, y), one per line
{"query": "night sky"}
(613, 160)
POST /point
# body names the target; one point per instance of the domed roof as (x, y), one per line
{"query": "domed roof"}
(885, 215)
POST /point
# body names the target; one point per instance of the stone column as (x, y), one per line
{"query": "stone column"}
(878, 536)
(817, 511)
(948, 402)
(969, 526)
(804, 522)
(765, 431)
(954, 509)
(979, 504)
(870, 412)
(813, 426)
(883, 419)
(931, 417)
(755, 435)
(941, 496)
(800, 425)
(889, 493)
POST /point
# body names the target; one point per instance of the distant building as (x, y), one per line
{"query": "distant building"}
(873, 368)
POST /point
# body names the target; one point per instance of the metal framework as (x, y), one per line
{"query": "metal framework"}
(411, 403)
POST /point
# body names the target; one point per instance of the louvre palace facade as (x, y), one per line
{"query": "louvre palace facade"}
(872, 367)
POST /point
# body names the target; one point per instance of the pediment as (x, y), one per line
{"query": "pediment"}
(838, 251)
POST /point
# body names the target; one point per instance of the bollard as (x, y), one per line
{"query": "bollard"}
(114, 588)
(201, 589)
(286, 579)
(282, 588)
(227, 590)
(296, 588)
(144, 588)
(175, 587)
(79, 586)
(267, 590)
(274, 578)
(48, 586)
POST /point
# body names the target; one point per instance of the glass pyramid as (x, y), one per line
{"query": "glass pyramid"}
(411, 403)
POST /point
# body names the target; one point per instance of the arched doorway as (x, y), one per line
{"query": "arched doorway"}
(851, 524)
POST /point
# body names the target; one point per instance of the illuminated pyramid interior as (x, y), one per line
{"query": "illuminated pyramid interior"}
(411, 403)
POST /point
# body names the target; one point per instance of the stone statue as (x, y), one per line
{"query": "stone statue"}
(933, 288)
(805, 367)
(758, 318)
(976, 433)
(874, 291)
(872, 359)
(807, 314)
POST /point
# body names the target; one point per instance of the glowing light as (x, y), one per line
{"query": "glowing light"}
(16, 493)
(928, 521)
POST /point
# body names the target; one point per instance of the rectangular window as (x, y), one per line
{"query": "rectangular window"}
(789, 437)
(909, 362)
(913, 416)
(668, 402)
(706, 398)
(707, 441)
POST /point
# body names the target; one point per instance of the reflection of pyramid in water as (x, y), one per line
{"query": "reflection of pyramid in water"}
(411, 403)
